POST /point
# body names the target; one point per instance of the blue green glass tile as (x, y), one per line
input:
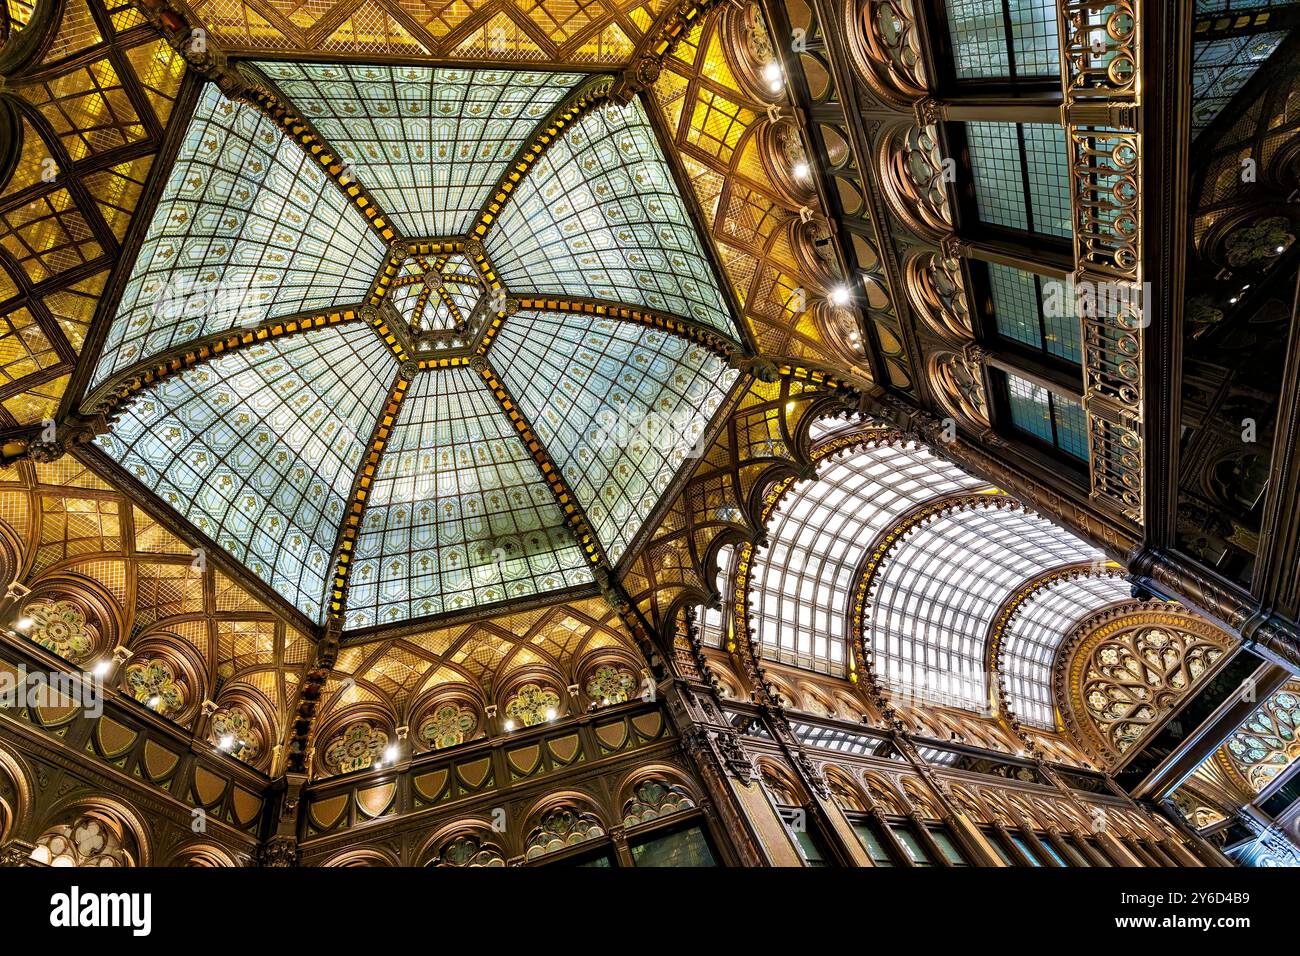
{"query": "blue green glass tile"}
(1001, 174)
(459, 515)
(620, 407)
(1030, 408)
(1015, 304)
(1220, 68)
(599, 216)
(978, 31)
(428, 143)
(1071, 427)
(247, 229)
(258, 448)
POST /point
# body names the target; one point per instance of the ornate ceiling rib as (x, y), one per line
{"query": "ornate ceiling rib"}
(361, 485)
(588, 96)
(574, 516)
(1001, 627)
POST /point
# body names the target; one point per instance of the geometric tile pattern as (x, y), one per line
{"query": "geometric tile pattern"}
(258, 448)
(621, 407)
(599, 217)
(459, 514)
(247, 229)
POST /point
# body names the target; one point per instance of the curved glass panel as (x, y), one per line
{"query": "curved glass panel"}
(259, 448)
(619, 406)
(428, 143)
(599, 216)
(436, 293)
(819, 534)
(1036, 632)
(459, 514)
(937, 593)
(248, 229)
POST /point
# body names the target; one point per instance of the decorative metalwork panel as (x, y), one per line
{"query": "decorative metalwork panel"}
(819, 535)
(1036, 634)
(939, 590)
(620, 407)
(598, 216)
(429, 143)
(248, 228)
(459, 514)
(258, 448)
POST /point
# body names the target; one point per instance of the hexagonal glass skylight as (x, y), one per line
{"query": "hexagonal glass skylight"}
(290, 364)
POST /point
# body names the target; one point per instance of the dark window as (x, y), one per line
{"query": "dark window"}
(686, 847)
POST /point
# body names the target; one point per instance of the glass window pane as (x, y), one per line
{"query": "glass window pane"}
(1023, 846)
(978, 29)
(947, 847)
(688, 847)
(875, 849)
(1071, 426)
(914, 847)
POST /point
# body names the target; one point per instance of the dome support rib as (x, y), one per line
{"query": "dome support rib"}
(574, 516)
(688, 329)
(360, 494)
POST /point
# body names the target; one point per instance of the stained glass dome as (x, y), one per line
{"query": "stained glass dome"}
(402, 374)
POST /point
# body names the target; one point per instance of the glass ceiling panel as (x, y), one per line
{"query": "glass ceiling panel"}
(459, 514)
(1222, 67)
(247, 229)
(1030, 644)
(259, 447)
(619, 406)
(938, 591)
(599, 216)
(802, 582)
(436, 293)
(428, 143)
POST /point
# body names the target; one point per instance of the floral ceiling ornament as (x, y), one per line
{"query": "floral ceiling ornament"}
(532, 704)
(611, 685)
(233, 731)
(86, 842)
(356, 748)
(154, 684)
(60, 627)
(449, 724)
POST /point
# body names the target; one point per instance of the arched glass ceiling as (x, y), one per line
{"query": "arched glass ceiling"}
(247, 229)
(802, 583)
(258, 448)
(436, 293)
(429, 143)
(939, 588)
(599, 216)
(459, 514)
(1036, 632)
(619, 406)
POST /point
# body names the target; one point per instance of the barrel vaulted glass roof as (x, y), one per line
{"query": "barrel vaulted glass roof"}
(276, 346)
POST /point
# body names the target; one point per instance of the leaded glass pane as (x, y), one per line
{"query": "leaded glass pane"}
(258, 448)
(429, 143)
(599, 216)
(935, 599)
(1030, 407)
(619, 406)
(802, 582)
(459, 514)
(1071, 426)
(1220, 68)
(978, 30)
(247, 229)
(1021, 313)
(1021, 176)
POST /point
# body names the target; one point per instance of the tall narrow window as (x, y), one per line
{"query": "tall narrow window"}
(874, 846)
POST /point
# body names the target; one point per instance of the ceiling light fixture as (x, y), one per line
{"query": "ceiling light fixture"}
(840, 295)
